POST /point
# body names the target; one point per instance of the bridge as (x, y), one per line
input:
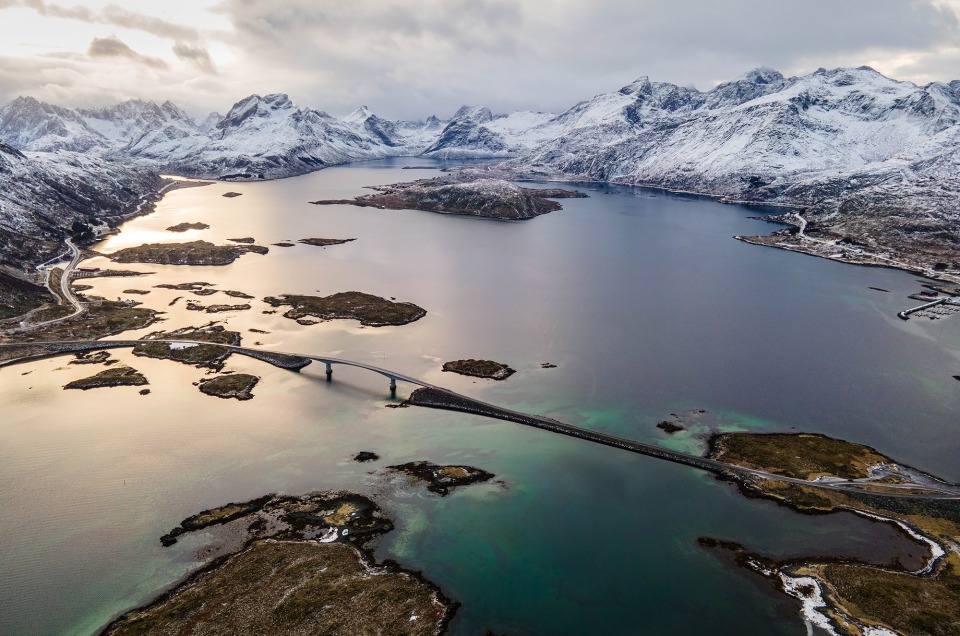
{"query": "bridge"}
(281, 359)
(432, 396)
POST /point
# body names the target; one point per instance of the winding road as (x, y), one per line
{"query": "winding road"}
(432, 396)
(65, 290)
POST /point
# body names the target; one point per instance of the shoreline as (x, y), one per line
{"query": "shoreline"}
(752, 240)
(916, 271)
(700, 194)
(821, 599)
(83, 247)
(283, 522)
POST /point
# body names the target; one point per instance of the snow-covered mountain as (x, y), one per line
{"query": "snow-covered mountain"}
(264, 138)
(474, 132)
(833, 141)
(868, 158)
(30, 125)
(760, 131)
(44, 200)
(259, 137)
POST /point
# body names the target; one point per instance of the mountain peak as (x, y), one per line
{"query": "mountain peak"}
(481, 114)
(761, 75)
(25, 100)
(255, 106)
(636, 86)
(358, 116)
(277, 101)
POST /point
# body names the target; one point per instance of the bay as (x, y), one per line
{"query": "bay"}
(642, 300)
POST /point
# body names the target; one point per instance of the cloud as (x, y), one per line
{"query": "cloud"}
(412, 59)
(56, 11)
(111, 15)
(196, 55)
(116, 16)
(114, 47)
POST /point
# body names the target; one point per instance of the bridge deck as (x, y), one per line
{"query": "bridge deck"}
(437, 397)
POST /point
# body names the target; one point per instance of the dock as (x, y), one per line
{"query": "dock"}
(933, 315)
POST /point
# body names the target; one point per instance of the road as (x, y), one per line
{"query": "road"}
(65, 289)
(438, 397)
(64, 292)
(801, 233)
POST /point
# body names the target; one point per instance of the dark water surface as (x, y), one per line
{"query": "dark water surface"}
(644, 302)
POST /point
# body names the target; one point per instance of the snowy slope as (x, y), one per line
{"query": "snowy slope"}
(474, 132)
(403, 137)
(762, 129)
(835, 141)
(31, 125)
(42, 196)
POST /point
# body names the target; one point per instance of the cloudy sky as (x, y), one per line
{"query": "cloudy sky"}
(411, 58)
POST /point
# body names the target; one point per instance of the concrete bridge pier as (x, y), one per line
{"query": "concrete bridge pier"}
(393, 387)
(329, 372)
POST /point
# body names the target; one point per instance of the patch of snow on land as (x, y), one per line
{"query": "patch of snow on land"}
(177, 346)
(811, 604)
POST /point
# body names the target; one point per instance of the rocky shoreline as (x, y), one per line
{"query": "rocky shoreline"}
(843, 597)
(305, 565)
(905, 259)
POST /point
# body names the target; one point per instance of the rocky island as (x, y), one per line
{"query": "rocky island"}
(193, 305)
(183, 227)
(442, 479)
(479, 368)
(370, 310)
(238, 386)
(192, 253)
(303, 567)
(324, 242)
(464, 193)
(115, 376)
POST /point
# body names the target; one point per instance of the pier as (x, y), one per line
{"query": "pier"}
(905, 314)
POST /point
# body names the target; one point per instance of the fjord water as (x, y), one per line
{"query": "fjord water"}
(642, 300)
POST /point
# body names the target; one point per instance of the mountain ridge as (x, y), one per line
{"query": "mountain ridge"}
(837, 144)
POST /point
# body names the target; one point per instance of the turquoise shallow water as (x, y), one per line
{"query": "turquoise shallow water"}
(642, 300)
